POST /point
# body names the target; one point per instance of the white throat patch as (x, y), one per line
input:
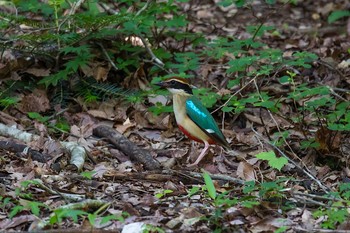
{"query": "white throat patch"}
(177, 91)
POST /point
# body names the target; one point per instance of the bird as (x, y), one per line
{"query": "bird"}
(192, 118)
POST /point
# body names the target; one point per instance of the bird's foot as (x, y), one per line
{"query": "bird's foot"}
(192, 164)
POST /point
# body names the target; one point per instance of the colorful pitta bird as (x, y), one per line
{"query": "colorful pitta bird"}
(193, 119)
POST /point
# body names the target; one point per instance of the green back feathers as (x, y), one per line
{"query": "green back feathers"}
(204, 120)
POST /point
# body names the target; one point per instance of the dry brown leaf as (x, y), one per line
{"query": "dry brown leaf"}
(101, 73)
(138, 80)
(120, 156)
(7, 119)
(149, 120)
(53, 148)
(346, 171)
(246, 171)
(270, 224)
(248, 138)
(323, 171)
(100, 170)
(154, 135)
(158, 99)
(42, 129)
(13, 222)
(268, 121)
(329, 140)
(84, 131)
(38, 72)
(103, 114)
(98, 70)
(136, 41)
(307, 219)
(35, 102)
(125, 126)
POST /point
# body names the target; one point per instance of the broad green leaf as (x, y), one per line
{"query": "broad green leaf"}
(273, 161)
(88, 174)
(336, 15)
(227, 109)
(92, 219)
(112, 217)
(34, 207)
(209, 185)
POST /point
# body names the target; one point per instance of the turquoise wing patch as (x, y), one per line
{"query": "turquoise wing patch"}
(203, 119)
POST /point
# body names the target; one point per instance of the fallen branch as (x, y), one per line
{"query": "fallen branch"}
(199, 176)
(67, 196)
(127, 147)
(21, 149)
(76, 151)
(319, 230)
(146, 176)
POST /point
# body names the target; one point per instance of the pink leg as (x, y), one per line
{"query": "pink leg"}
(201, 156)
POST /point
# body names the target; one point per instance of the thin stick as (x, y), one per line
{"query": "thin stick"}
(154, 57)
(229, 99)
(108, 57)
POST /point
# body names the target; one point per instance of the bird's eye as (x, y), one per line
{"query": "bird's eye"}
(172, 82)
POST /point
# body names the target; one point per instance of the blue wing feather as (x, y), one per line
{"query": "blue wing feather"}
(204, 120)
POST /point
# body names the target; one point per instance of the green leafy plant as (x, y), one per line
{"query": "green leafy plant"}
(335, 212)
(163, 193)
(334, 215)
(273, 161)
(60, 214)
(38, 117)
(25, 201)
(149, 228)
(252, 195)
(88, 174)
(61, 125)
(108, 218)
(8, 102)
(336, 15)
(220, 202)
(209, 185)
(194, 190)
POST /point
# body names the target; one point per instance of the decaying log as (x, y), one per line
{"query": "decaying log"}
(127, 147)
(23, 149)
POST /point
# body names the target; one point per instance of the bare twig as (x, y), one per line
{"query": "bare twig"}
(329, 66)
(154, 57)
(199, 176)
(219, 177)
(229, 99)
(143, 8)
(318, 196)
(75, 7)
(279, 130)
(108, 57)
(306, 201)
(299, 229)
(68, 196)
(336, 94)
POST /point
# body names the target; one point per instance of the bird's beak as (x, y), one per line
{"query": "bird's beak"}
(161, 84)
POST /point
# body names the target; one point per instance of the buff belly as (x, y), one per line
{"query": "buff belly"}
(186, 125)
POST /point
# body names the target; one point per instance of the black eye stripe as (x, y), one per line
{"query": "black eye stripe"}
(182, 86)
